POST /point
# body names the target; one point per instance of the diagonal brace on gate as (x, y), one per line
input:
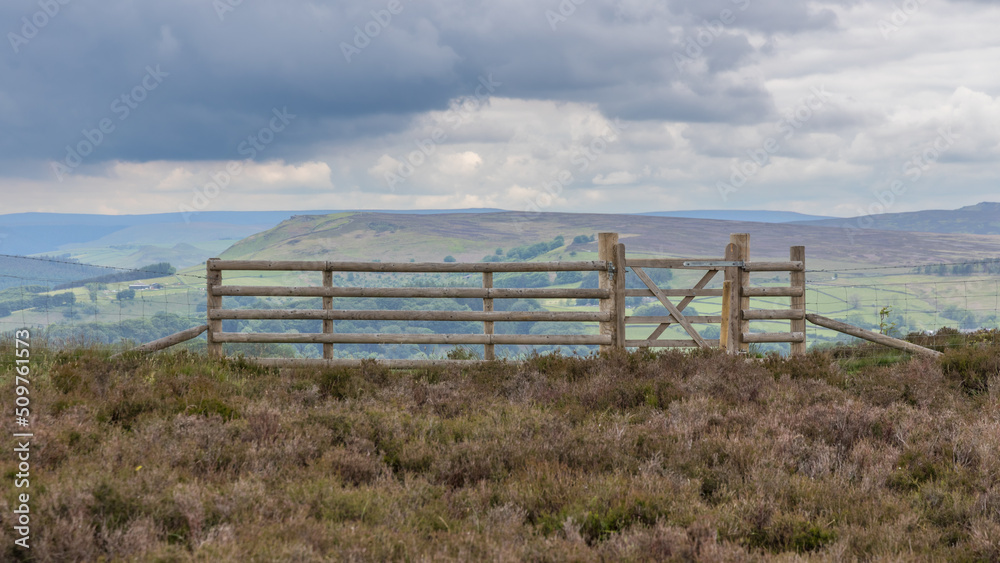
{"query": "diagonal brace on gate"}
(684, 303)
(674, 311)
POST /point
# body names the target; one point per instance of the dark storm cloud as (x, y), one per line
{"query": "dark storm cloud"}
(221, 72)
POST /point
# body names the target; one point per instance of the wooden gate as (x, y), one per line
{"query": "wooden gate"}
(735, 292)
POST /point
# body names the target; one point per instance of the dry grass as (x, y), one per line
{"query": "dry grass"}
(633, 457)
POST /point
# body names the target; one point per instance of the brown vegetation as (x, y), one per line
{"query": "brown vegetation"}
(634, 457)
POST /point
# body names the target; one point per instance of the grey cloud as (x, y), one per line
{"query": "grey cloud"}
(226, 76)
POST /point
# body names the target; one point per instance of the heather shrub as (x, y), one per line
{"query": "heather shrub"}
(973, 367)
(635, 456)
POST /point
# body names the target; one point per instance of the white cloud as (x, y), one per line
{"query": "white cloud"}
(615, 178)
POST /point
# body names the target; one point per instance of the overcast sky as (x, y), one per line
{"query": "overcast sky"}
(837, 107)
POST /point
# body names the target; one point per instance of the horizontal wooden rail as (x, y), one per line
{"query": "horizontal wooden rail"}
(871, 336)
(773, 292)
(700, 319)
(675, 293)
(395, 338)
(792, 266)
(770, 337)
(668, 343)
(676, 264)
(396, 364)
(774, 314)
(410, 292)
(406, 267)
(370, 315)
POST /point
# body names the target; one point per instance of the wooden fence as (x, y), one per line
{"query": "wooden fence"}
(611, 293)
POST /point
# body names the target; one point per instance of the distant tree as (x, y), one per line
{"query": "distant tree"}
(568, 277)
(498, 251)
(125, 294)
(450, 258)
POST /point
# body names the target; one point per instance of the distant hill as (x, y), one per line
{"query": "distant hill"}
(26, 271)
(753, 215)
(470, 237)
(35, 233)
(979, 219)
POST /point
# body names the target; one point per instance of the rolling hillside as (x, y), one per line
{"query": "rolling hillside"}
(470, 237)
(753, 215)
(979, 219)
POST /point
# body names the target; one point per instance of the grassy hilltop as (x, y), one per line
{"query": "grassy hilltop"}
(635, 457)
(470, 236)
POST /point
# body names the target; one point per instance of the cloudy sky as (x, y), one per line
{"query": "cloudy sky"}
(835, 107)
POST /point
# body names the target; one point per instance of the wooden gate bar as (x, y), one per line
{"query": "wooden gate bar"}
(675, 293)
(693, 319)
(773, 292)
(792, 266)
(655, 343)
(775, 315)
(673, 264)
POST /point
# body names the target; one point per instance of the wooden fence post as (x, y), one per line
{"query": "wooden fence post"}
(619, 296)
(214, 303)
(327, 323)
(727, 311)
(731, 294)
(606, 253)
(798, 279)
(742, 242)
(489, 350)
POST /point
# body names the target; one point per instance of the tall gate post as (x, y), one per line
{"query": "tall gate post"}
(798, 280)
(606, 253)
(214, 303)
(741, 281)
(729, 337)
(618, 283)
